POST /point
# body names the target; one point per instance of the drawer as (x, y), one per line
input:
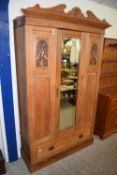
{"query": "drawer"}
(46, 150)
(114, 102)
(111, 121)
(77, 138)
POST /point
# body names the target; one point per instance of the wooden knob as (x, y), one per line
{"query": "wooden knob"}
(81, 136)
(51, 148)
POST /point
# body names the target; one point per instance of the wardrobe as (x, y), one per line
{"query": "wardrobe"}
(58, 58)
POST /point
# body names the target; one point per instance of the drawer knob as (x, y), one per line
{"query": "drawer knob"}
(51, 148)
(81, 136)
(39, 150)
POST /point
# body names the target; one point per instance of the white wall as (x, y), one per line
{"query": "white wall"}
(1, 137)
(15, 10)
(3, 143)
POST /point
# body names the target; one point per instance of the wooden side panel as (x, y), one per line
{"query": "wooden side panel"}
(109, 67)
(42, 107)
(87, 101)
(19, 35)
(90, 95)
(111, 121)
(108, 81)
(89, 80)
(110, 48)
(109, 64)
(106, 119)
(42, 83)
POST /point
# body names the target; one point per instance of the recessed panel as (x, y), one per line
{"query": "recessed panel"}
(41, 111)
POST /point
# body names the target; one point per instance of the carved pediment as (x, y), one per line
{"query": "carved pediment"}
(76, 12)
(91, 16)
(58, 13)
(57, 9)
(37, 10)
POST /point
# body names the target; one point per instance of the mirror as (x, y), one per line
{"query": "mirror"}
(69, 81)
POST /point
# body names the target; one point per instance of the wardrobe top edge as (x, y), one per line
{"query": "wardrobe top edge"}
(56, 14)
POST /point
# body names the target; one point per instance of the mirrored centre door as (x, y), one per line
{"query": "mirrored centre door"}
(68, 70)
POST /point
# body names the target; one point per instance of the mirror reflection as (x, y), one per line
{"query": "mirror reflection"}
(69, 81)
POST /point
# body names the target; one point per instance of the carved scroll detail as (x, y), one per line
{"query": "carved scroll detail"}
(58, 9)
(91, 16)
(42, 53)
(76, 12)
(57, 13)
(35, 7)
(93, 54)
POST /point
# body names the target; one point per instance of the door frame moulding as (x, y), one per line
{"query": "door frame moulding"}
(6, 83)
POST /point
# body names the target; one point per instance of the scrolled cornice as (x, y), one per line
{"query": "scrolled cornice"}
(57, 17)
(58, 11)
(76, 12)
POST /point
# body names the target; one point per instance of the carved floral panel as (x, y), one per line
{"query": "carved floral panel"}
(42, 52)
(93, 54)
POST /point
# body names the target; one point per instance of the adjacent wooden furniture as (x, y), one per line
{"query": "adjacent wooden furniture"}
(2, 164)
(109, 64)
(106, 120)
(39, 35)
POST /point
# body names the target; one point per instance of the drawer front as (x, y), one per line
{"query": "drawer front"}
(111, 121)
(114, 102)
(46, 150)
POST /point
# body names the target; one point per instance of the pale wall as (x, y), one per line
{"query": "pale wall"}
(14, 10)
(3, 142)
